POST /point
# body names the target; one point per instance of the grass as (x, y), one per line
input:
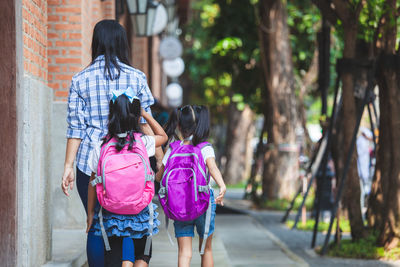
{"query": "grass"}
(322, 226)
(241, 184)
(365, 248)
(283, 204)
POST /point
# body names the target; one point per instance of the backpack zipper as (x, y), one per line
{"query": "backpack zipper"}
(105, 161)
(194, 178)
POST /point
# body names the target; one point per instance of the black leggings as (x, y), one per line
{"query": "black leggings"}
(115, 256)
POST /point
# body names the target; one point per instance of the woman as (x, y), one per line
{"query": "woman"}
(88, 109)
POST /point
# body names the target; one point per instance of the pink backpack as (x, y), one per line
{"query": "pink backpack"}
(124, 184)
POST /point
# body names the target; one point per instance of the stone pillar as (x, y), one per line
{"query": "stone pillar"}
(8, 135)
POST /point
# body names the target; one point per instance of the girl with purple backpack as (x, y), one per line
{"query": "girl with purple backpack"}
(124, 183)
(185, 193)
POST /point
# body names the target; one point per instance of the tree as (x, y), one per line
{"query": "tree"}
(280, 164)
(224, 58)
(348, 13)
(384, 212)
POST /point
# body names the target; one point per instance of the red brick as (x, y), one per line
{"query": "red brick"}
(61, 93)
(75, 36)
(52, 52)
(62, 60)
(53, 18)
(54, 85)
(73, 2)
(65, 85)
(76, 18)
(64, 77)
(54, 68)
(53, 2)
(68, 10)
(74, 69)
(74, 52)
(52, 35)
(68, 44)
(63, 27)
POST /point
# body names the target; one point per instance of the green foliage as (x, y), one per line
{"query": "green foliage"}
(304, 21)
(322, 226)
(224, 54)
(364, 248)
(240, 185)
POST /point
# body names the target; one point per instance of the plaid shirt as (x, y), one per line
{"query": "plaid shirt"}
(88, 102)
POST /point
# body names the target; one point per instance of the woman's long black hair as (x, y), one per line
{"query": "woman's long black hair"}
(192, 120)
(123, 118)
(110, 40)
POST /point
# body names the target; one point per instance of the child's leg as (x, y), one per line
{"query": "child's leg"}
(128, 252)
(94, 244)
(95, 250)
(113, 257)
(185, 251)
(184, 232)
(141, 260)
(207, 257)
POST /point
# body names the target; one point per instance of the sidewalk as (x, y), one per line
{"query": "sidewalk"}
(295, 241)
(239, 240)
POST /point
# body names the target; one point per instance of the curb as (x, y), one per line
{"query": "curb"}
(280, 244)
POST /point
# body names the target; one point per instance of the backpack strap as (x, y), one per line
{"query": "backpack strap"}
(150, 231)
(103, 231)
(97, 180)
(166, 228)
(175, 145)
(150, 173)
(203, 144)
(206, 227)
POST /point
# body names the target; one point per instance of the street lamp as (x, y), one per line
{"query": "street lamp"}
(137, 6)
(143, 14)
(171, 8)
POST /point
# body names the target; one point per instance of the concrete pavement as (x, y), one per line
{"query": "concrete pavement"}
(239, 241)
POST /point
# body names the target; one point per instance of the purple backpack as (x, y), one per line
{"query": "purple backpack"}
(184, 191)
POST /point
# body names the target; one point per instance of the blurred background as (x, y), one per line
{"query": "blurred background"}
(304, 101)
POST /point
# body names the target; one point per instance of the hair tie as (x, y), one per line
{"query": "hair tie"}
(122, 135)
(128, 92)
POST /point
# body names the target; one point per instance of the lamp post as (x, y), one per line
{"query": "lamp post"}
(137, 6)
(143, 13)
(171, 8)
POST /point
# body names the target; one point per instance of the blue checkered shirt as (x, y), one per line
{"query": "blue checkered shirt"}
(88, 103)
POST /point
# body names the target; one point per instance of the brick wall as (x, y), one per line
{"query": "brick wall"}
(57, 35)
(70, 26)
(34, 20)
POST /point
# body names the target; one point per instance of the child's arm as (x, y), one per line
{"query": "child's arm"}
(160, 173)
(91, 203)
(216, 174)
(160, 136)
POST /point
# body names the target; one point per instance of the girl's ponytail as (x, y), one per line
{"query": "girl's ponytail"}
(202, 124)
(172, 124)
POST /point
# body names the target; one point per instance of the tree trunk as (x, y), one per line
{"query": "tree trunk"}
(349, 16)
(385, 196)
(238, 133)
(352, 187)
(281, 158)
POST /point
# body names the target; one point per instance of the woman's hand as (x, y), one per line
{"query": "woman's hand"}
(220, 197)
(89, 221)
(68, 179)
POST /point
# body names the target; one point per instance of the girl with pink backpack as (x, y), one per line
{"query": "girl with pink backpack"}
(185, 193)
(123, 182)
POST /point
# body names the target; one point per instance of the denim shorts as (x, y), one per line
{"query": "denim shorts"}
(187, 228)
